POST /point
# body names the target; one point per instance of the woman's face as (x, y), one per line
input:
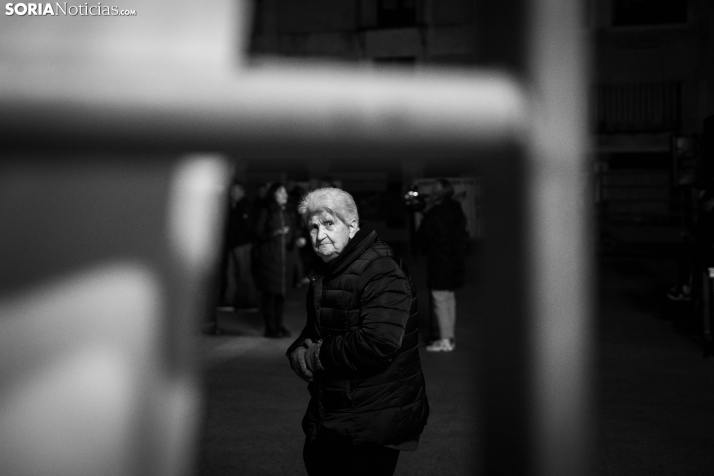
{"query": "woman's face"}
(281, 196)
(329, 235)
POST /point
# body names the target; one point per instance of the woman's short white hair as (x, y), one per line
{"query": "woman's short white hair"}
(334, 201)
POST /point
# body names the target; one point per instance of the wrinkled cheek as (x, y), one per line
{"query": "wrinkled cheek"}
(324, 249)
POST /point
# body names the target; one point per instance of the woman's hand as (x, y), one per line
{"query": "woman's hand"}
(298, 364)
(312, 355)
(282, 231)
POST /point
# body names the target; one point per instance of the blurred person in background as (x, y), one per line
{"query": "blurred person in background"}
(261, 196)
(239, 289)
(359, 348)
(442, 237)
(274, 235)
(301, 255)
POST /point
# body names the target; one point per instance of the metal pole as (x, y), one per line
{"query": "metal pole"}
(558, 216)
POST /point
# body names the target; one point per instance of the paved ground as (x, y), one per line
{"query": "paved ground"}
(652, 413)
(655, 392)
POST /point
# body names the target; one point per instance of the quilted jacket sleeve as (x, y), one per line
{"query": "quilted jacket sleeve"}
(385, 299)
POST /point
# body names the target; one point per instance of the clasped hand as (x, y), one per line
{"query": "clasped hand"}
(304, 360)
(282, 231)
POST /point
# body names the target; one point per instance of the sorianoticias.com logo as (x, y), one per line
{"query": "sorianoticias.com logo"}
(57, 8)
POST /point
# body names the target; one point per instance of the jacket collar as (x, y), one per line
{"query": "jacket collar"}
(363, 239)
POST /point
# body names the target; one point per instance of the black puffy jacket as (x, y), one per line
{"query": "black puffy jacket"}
(363, 306)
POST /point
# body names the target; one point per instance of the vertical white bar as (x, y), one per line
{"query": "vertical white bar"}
(195, 220)
(559, 225)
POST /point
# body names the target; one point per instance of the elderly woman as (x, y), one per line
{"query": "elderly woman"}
(359, 347)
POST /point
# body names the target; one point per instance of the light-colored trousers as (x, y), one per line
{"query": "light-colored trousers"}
(444, 303)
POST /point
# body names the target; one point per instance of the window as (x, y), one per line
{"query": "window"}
(648, 12)
(638, 107)
(396, 13)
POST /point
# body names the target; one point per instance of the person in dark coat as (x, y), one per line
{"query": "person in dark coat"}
(271, 260)
(359, 348)
(442, 237)
(238, 290)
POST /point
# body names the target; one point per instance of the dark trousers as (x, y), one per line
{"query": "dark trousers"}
(240, 290)
(273, 305)
(335, 456)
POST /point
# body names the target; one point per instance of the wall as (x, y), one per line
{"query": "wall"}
(347, 30)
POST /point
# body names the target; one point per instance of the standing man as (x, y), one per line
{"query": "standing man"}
(442, 237)
(240, 291)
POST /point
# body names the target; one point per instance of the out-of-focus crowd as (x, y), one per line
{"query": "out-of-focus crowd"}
(266, 251)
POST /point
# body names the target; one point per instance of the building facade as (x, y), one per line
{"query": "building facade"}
(652, 77)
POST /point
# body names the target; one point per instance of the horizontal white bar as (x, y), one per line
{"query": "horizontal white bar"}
(308, 102)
